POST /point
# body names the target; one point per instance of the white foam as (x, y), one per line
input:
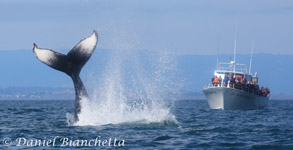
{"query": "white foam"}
(141, 98)
(129, 90)
(95, 114)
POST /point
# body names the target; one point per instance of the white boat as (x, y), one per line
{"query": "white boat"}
(229, 96)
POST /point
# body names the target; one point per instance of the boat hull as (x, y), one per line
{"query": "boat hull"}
(233, 99)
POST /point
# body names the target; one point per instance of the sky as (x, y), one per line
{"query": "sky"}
(185, 27)
(180, 26)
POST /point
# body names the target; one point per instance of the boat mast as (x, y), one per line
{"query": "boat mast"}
(251, 57)
(234, 55)
(218, 54)
(236, 34)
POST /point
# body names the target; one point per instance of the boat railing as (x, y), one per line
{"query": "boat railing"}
(230, 67)
(218, 85)
(232, 86)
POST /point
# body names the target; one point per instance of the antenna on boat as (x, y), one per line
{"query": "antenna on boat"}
(234, 55)
(236, 32)
(251, 57)
(218, 54)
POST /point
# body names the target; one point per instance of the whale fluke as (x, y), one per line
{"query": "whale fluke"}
(71, 64)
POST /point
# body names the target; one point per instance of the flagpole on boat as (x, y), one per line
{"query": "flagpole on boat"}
(236, 34)
(251, 56)
(234, 55)
(218, 54)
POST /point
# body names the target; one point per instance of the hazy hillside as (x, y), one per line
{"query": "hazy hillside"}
(21, 69)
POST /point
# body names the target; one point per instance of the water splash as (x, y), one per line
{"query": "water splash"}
(134, 87)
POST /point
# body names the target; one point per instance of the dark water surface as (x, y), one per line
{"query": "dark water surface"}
(198, 127)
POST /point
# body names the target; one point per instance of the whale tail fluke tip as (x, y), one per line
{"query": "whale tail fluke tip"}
(34, 45)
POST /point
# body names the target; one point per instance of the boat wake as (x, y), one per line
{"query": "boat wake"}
(135, 87)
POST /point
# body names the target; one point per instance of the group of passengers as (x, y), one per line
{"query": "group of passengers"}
(238, 82)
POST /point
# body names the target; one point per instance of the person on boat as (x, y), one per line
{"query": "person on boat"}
(238, 82)
(264, 92)
(215, 80)
(268, 91)
(247, 87)
(243, 84)
(236, 86)
(220, 81)
(231, 81)
(257, 90)
(252, 86)
(226, 78)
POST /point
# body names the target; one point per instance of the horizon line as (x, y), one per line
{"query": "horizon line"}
(171, 51)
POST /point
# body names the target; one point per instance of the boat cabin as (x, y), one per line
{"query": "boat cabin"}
(233, 69)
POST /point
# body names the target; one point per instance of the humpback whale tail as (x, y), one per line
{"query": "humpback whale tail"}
(71, 64)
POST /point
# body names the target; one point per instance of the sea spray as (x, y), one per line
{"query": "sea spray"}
(134, 87)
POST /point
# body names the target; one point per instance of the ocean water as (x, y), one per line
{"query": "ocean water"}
(36, 124)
